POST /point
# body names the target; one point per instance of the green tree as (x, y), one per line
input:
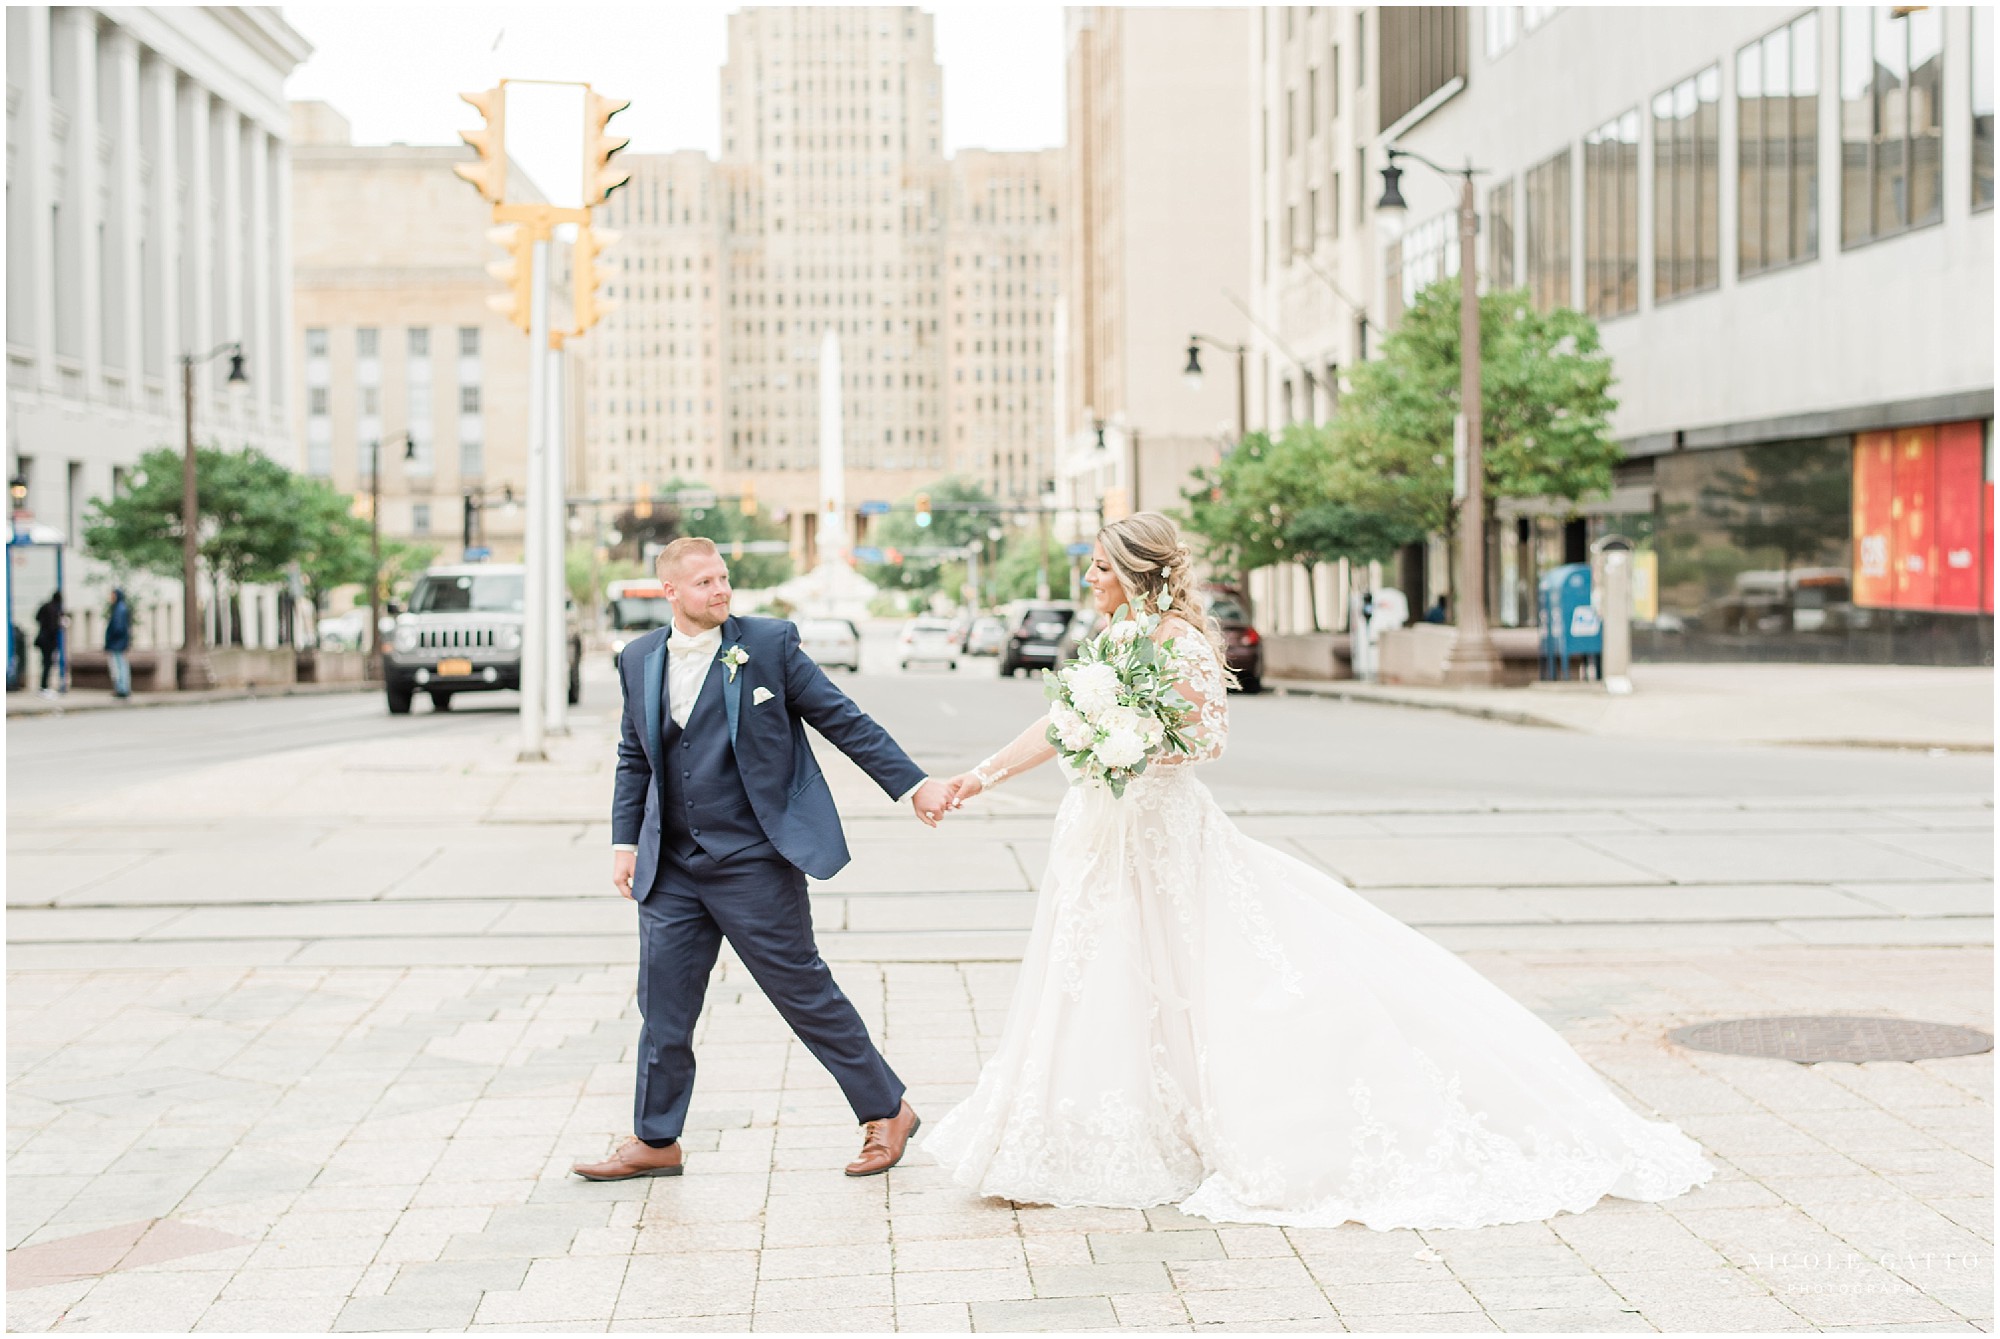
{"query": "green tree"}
(1019, 570)
(1327, 532)
(725, 523)
(248, 528)
(333, 550)
(949, 528)
(1546, 403)
(1244, 508)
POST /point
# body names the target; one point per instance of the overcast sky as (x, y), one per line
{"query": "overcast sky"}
(395, 72)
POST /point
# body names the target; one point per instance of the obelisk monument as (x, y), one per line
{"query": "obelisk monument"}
(833, 538)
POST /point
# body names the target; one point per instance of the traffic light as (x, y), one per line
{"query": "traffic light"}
(517, 271)
(590, 304)
(600, 177)
(923, 509)
(489, 174)
(749, 497)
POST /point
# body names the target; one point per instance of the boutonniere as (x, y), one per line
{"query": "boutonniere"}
(736, 658)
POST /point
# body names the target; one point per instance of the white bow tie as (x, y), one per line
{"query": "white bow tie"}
(681, 643)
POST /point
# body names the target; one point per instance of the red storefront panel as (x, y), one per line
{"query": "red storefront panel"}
(1961, 489)
(1913, 546)
(1874, 496)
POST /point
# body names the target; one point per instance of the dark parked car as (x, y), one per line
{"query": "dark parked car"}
(1244, 647)
(1035, 631)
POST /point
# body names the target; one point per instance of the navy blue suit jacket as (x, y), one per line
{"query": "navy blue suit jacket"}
(788, 795)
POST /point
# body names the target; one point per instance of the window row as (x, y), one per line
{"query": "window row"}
(1891, 158)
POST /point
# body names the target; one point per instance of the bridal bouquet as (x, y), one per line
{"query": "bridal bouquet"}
(1114, 708)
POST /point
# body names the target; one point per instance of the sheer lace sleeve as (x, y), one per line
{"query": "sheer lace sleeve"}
(1201, 683)
(1030, 749)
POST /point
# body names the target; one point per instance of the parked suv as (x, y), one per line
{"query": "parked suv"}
(462, 634)
(1034, 634)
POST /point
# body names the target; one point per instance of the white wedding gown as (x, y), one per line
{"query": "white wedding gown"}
(1205, 1021)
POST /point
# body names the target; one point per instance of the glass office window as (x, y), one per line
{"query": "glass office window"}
(1500, 211)
(1777, 147)
(1686, 172)
(1611, 217)
(1890, 65)
(1982, 107)
(1548, 232)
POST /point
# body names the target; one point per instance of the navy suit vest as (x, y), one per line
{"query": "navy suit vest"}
(706, 807)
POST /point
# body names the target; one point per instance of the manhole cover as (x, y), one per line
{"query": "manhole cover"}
(1808, 1040)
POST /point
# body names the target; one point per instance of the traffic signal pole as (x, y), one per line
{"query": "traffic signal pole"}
(556, 639)
(535, 603)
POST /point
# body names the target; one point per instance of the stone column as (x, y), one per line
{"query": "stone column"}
(259, 339)
(197, 277)
(161, 95)
(37, 145)
(227, 247)
(127, 149)
(76, 50)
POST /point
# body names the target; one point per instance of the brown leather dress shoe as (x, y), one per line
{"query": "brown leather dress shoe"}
(885, 1140)
(634, 1157)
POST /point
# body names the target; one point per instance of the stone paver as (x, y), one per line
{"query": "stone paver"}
(348, 1103)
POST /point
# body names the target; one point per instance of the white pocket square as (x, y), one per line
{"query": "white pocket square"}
(761, 696)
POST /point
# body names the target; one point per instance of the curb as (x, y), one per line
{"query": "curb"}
(1340, 693)
(1311, 688)
(138, 702)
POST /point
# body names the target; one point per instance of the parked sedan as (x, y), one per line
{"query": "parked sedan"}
(987, 637)
(927, 641)
(1244, 646)
(833, 642)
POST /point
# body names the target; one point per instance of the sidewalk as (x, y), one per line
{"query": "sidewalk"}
(1864, 706)
(28, 702)
(308, 1043)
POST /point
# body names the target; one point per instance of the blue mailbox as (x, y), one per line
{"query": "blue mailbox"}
(1571, 628)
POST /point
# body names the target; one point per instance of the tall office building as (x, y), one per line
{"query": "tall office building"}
(1156, 244)
(832, 207)
(1004, 286)
(652, 387)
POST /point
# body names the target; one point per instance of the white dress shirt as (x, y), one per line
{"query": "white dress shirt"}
(689, 659)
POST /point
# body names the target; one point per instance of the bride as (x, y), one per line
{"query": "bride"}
(1202, 1020)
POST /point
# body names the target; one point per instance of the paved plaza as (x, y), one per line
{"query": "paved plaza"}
(306, 1040)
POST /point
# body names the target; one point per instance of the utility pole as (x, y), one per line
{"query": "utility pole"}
(556, 515)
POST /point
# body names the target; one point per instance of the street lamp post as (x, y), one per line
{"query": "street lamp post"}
(1192, 374)
(375, 546)
(1472, 659)
(194, 667)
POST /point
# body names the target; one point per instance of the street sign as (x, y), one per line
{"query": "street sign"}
(696, 498)
(479, 553)
(1079, 550)
(868, 554)
(874, 508)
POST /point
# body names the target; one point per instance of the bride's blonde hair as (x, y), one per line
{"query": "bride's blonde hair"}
(1147, 553)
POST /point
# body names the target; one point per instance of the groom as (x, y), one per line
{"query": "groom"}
(718, 816)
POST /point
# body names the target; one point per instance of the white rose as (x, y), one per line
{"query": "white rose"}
(1092, 688)
(1072, 731)
(1115, 718)
(1121, 748)
(1123, 632)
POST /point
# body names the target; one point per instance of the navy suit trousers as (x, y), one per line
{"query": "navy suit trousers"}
(757, 901)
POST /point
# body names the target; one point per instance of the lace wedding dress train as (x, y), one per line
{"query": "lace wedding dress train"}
(1203, 1020)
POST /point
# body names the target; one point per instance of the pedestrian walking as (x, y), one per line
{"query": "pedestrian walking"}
(48, 640)
(118, 641)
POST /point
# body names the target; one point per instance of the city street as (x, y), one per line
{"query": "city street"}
(311, 1008)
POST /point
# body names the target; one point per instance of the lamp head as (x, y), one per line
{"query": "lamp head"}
(1392, 202)
(1192, 372)
(236, 376)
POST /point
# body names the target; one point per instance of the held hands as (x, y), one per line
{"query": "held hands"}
(963, 787)
(930, 800)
